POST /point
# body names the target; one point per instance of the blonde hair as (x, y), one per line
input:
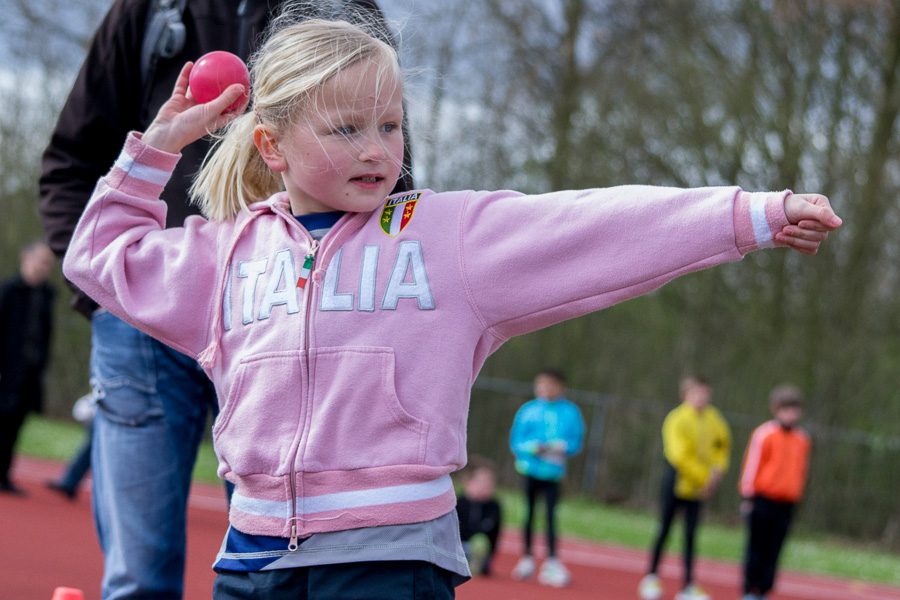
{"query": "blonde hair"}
(286, 76)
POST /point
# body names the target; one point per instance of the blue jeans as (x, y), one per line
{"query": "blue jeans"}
(152, 411)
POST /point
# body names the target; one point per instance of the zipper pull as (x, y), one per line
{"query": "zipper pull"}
(307, 266)
(293, 545)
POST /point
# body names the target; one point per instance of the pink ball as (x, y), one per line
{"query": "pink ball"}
(214, 72)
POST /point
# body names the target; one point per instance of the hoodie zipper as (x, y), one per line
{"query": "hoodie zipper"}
(335, 239)
(308, 267)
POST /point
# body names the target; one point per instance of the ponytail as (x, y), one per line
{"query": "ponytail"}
(233, 175)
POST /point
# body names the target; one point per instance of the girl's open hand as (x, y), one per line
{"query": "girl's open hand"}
(811, 219)
(182, 120)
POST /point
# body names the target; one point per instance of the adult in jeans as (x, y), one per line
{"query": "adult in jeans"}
(153, 402)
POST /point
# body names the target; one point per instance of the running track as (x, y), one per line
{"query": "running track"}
(47, 541)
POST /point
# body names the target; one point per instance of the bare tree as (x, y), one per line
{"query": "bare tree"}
(42, 44)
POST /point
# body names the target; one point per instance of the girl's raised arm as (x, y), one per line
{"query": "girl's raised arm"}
(161, 281)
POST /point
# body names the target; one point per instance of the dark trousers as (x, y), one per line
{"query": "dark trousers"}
(378, 580)
(10, 425)
(550, 491)
(14, 407)
(670, 506)
(768, 524)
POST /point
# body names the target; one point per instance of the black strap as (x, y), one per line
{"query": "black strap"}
(164, 36)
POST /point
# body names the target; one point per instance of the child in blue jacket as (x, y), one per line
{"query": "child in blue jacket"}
(545, 433)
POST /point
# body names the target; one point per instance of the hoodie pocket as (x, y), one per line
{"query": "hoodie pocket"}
(258, 425)
(357, 420)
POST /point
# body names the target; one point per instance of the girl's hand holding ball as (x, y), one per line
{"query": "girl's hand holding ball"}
(207, 96)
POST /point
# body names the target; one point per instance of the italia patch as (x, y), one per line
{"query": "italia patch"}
(398, 212)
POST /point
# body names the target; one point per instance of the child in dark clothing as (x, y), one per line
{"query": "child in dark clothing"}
(479, 514)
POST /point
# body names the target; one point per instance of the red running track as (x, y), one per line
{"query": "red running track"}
(47, 541)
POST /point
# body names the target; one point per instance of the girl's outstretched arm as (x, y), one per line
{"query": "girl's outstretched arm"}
(531, 261)
(182, 120)
(811, 218)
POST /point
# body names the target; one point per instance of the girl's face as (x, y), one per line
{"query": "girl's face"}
(346, 151)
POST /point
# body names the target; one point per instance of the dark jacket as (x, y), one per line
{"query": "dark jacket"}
(479, 517)
(24, 311)
(108, 100)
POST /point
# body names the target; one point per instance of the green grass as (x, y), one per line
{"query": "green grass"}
(578, 517)
(805, 551)
(45, 438)
(59, 440)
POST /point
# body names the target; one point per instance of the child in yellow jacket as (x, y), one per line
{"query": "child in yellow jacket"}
(697, 447)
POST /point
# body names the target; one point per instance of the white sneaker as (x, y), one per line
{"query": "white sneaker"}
(692, 592)
(650, 588)
(553, 573)
(524, 568)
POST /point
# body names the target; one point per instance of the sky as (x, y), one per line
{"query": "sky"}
(77, 18)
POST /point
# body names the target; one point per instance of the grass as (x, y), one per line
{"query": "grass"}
(805, 551)
(577, 517)
(59, 440)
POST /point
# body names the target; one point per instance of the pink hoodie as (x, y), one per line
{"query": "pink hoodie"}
(344, 402)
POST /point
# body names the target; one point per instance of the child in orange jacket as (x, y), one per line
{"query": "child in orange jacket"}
(773, 478)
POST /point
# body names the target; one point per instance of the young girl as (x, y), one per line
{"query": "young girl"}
(343, 362)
